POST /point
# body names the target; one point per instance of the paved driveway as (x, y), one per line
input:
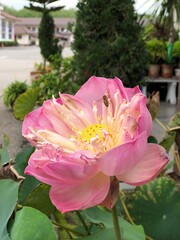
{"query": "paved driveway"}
(17, 62)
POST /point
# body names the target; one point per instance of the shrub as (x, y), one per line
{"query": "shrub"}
(13, 91)
(8, 44)
(108, 41)
(58, 80)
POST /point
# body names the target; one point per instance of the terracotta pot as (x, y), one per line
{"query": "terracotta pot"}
(167, 71)
(35, 75)
(154, 70)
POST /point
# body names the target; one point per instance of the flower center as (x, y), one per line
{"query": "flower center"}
(93, 131)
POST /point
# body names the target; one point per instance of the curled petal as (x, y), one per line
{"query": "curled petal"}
(93, 89)
(140, 112)
(154, 160)
(76, 196)
(124, 157)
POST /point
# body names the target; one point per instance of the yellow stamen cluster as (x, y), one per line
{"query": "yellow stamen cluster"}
(94, 130)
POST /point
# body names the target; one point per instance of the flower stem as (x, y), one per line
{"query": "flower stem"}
(67, 228)
(125, 208)
(83, 222)
(116, 223)
(160, 124)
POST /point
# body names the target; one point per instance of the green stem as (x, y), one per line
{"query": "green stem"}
(116, 223)
(160, 124)
(125, 208)
(83, 222)
(67, 228)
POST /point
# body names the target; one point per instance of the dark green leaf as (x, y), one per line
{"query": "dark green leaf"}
(4, 156)
(100, 216)
(39, 199)
(157, 207)
(152, 139)
(8, 199)
(30, 182)
(32, 224)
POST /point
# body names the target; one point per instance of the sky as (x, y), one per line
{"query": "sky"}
(140, 5)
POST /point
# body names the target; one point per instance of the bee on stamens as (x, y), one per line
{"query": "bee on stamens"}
(105, 101)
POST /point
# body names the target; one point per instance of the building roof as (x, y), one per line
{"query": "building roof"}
(10, 17)
(36, 21)
(19, 30)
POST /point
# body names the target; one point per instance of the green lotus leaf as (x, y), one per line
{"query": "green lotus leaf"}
(156, 206)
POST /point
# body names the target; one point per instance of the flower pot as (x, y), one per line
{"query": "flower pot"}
(167, 71)
(154, 70)
(35, 75)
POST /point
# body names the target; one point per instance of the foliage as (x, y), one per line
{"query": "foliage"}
(48, 44)
(107, 41)
(8, 43)
(155, 50)
(176, 49)
(156, 206)
(12, 92)
(63, 13)
(4, 156)
(59, 80)
(25, 103)
(170, 134)
(8, 198)
(30, 223)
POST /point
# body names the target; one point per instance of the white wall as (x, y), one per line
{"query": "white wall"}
(24, 40)
(7, 37)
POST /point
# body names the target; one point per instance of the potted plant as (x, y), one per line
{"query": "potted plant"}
(167, 67)
(154, 48)
(176, 58)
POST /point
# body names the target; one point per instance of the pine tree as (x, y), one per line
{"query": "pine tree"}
(107, 41)
(48, 44)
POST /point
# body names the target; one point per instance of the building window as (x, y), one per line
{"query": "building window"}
(3, 28)
(34, 29)
(10, 30)
(19, 36)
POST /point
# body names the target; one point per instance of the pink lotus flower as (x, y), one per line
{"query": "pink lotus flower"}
(84, 140)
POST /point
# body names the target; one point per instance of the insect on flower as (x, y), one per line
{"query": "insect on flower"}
(105, 101)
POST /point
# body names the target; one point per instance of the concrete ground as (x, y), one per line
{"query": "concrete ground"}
(16, 64)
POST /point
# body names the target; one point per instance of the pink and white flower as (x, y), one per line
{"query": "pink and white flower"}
(84, 140)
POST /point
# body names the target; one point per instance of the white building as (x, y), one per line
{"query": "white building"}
(7, 22)
(26, 30)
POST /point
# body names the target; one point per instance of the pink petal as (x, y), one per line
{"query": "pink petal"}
(140, 112)
(132, 91)
(123, 158)
(56, 121)
(36, 166)
(76, 196)
(93, 89)
(126, 93)
(154, 160)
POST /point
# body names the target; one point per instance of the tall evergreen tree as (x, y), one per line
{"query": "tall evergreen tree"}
(48, 44)
(107, 41)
